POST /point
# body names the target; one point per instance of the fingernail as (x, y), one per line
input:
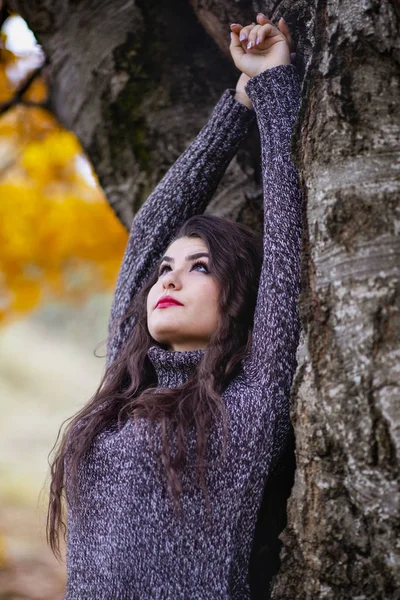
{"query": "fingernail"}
(262, 15)
(283, 20)
(292, 56)
(249, 45)
(258, 40)
(232, 38)
(242, 37)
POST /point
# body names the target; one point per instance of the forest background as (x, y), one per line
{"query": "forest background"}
(61, 246)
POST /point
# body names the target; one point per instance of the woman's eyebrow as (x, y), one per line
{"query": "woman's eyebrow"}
(190, 257)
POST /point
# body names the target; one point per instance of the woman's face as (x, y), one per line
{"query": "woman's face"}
(187, 279)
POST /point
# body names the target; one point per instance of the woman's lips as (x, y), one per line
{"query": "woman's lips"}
(165, 302)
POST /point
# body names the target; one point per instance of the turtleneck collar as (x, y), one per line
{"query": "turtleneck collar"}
(173, 368)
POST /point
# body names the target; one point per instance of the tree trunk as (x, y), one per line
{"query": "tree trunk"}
(136, 81)
(344, 512)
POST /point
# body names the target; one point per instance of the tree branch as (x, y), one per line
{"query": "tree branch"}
(17, 98)
(45, 104)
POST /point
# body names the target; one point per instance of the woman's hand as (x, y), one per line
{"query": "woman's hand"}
(241, 95)
(260, 46)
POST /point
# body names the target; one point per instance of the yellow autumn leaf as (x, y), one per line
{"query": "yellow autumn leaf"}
(6, 88)
(58, 235)
(26, 294)
(37, 91)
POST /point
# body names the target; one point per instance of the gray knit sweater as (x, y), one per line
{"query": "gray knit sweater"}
(124, 541)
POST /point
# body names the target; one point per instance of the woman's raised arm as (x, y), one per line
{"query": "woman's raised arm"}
(274, 90)
(275, 95)
(184, 191)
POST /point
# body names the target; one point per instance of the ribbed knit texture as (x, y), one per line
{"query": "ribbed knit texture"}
(125, 541)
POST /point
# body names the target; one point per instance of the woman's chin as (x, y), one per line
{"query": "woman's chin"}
(163, 336)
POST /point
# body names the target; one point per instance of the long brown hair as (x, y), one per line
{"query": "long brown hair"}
(128, 387)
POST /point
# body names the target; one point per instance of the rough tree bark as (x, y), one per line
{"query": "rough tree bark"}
(135, 81)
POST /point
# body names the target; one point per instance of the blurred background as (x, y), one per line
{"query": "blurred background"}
(60, 250)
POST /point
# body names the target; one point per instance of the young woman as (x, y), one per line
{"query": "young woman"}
(164, 469)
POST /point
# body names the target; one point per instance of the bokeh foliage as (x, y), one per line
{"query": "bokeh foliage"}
(59, 238)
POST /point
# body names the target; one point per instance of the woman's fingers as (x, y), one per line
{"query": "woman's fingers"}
(255, 36)
(236, 47)
(262, 32)
(284, 28)
(263, 19)
(259, 35)
(282, 25)
(245, 32)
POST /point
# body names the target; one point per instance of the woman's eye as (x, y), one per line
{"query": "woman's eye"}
(197, 264)
(162, 269)
(201, 264)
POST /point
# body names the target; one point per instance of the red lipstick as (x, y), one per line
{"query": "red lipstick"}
(166, 301)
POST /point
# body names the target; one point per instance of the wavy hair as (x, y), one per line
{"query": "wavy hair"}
(128, 389)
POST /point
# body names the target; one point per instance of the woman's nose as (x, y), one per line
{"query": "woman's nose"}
(171, 279)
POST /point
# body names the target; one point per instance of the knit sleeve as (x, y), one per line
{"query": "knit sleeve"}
(275, 95)
(184, 191)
